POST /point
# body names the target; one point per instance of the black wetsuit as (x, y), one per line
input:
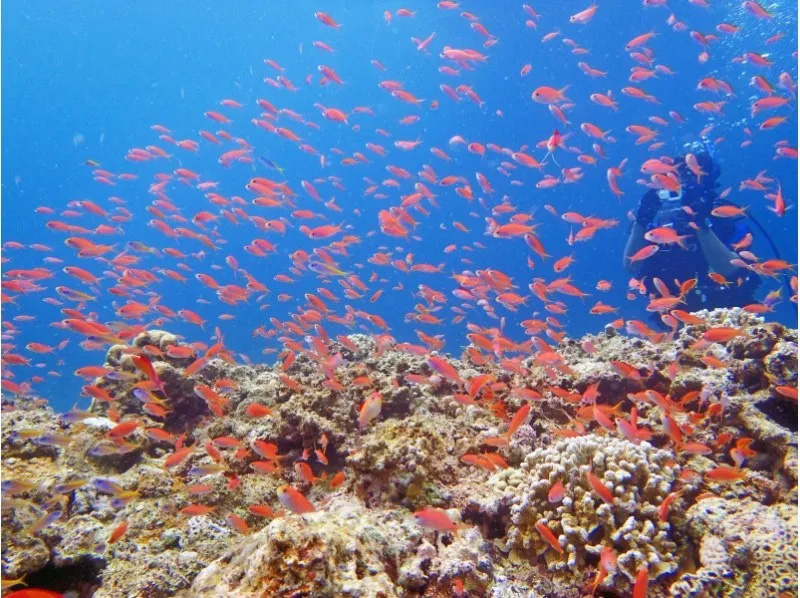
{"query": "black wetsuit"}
(672, 263)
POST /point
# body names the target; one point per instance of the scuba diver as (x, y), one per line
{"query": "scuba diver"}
(705, 251)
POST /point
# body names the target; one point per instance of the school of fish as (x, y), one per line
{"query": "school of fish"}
(336, 256)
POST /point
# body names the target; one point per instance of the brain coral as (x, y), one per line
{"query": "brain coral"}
(639, 477)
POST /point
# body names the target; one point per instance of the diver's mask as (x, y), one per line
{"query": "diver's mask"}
(671, 209)
(667, 195)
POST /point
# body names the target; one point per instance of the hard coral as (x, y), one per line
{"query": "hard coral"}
(345, 550)
(746, 549)
(639, 477)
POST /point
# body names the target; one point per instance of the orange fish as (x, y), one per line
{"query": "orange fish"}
(600, 488)
(519, 418)
(370, 409)
(195, 510)
(237, 523)
(337, 480)
(641, 582)
(665, 235)
(262, 511)
(293, 500)
(724, 473)
(549, 95)
(728, 211)
(257, 410)
(549, 536)
(34, 593)
(722, 334)
(118, 532)
(435, 519)
(556, 493)
(644, 253)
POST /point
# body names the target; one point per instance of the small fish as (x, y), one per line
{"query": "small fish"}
(178, 456)
(201, 470)
(74, 415)
(293, 500)
(723, 334)
(443, 367)
(599, 488)
(10, 583)
(608, 564)
(370, 409)
(790, 392)
(67, 487)
(435, 519)
(106, 486)
(42, 522)
(556, 493)
(337, 480)
(663, 508)
(549, 536)
(195, 510)
(725, 473)
(641, 583)
(123, 429)
(123, 498)
(12, 487)
(304, 472)
(237, 523)
(112, 448)
(118, 532)
(262, 511)
(270, 164)
(518, 419)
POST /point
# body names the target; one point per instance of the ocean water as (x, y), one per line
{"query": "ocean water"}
(85, 82)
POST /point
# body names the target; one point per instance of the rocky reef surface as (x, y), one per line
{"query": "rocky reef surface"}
(364, 467)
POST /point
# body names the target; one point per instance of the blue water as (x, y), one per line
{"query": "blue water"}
(86, 82)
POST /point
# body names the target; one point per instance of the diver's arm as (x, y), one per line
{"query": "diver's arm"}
(635, 242)
(716, 253)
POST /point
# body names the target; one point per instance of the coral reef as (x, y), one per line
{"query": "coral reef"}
(173, 484)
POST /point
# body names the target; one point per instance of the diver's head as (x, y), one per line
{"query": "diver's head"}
(698, 170)
(704, 152)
